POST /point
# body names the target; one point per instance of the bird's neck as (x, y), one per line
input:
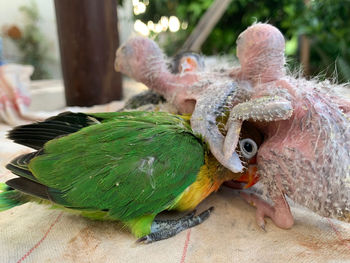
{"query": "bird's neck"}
(209, 179)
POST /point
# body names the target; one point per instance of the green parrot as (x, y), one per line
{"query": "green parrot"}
(125, 166)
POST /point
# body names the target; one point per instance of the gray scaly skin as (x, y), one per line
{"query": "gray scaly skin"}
(218, 99)
(306, 151)
(163, 229)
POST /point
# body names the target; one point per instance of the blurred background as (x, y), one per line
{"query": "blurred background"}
(317, 32)
(29, 34)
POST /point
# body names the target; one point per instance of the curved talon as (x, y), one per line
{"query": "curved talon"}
(191, 214)
(259, 217)
(143, 239)
(262, 226)
(208, 212)
(260, 213)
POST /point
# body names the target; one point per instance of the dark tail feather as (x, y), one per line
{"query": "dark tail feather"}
(19, 165)
(37, 134)
(29, 187)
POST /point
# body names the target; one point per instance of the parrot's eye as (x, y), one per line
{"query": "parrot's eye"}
(248, 148)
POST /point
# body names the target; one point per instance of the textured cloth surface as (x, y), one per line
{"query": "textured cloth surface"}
(34, 233)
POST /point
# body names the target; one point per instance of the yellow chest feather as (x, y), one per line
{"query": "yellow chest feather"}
(209, 179)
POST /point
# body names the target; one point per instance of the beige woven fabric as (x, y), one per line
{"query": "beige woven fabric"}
(34, 233)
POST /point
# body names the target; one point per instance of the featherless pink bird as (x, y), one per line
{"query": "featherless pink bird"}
(306, 150)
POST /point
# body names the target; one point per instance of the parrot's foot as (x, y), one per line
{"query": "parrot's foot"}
(163, 229)
(280, 213)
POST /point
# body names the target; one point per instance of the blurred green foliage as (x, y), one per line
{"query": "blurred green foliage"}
(325, 22)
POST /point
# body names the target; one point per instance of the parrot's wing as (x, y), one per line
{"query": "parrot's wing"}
(127, 166)
(35, 135)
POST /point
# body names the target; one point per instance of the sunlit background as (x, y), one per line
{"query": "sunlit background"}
(171, 23)
(323, 26)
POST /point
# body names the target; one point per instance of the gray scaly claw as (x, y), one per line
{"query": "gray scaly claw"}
(163, 229)
(191, 214)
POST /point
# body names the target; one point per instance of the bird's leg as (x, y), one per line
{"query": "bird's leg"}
(163, 229)
(280, 213)
(211, 105)
(267, 108)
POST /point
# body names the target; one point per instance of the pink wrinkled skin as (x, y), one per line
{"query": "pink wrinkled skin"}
(306, 126)
(141, 59)
(305, 155)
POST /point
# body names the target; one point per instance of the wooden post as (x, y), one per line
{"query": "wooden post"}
(88, 37)
(206, 25)
(305, 49)
(305, 54)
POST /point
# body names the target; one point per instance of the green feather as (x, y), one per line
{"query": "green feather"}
(4, 187)
(126, 166)
(9, 198)
(132, 164)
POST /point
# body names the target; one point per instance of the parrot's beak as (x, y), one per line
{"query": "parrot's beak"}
(249, 178)
(118, 59)
(188, 64)
(124, 54)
